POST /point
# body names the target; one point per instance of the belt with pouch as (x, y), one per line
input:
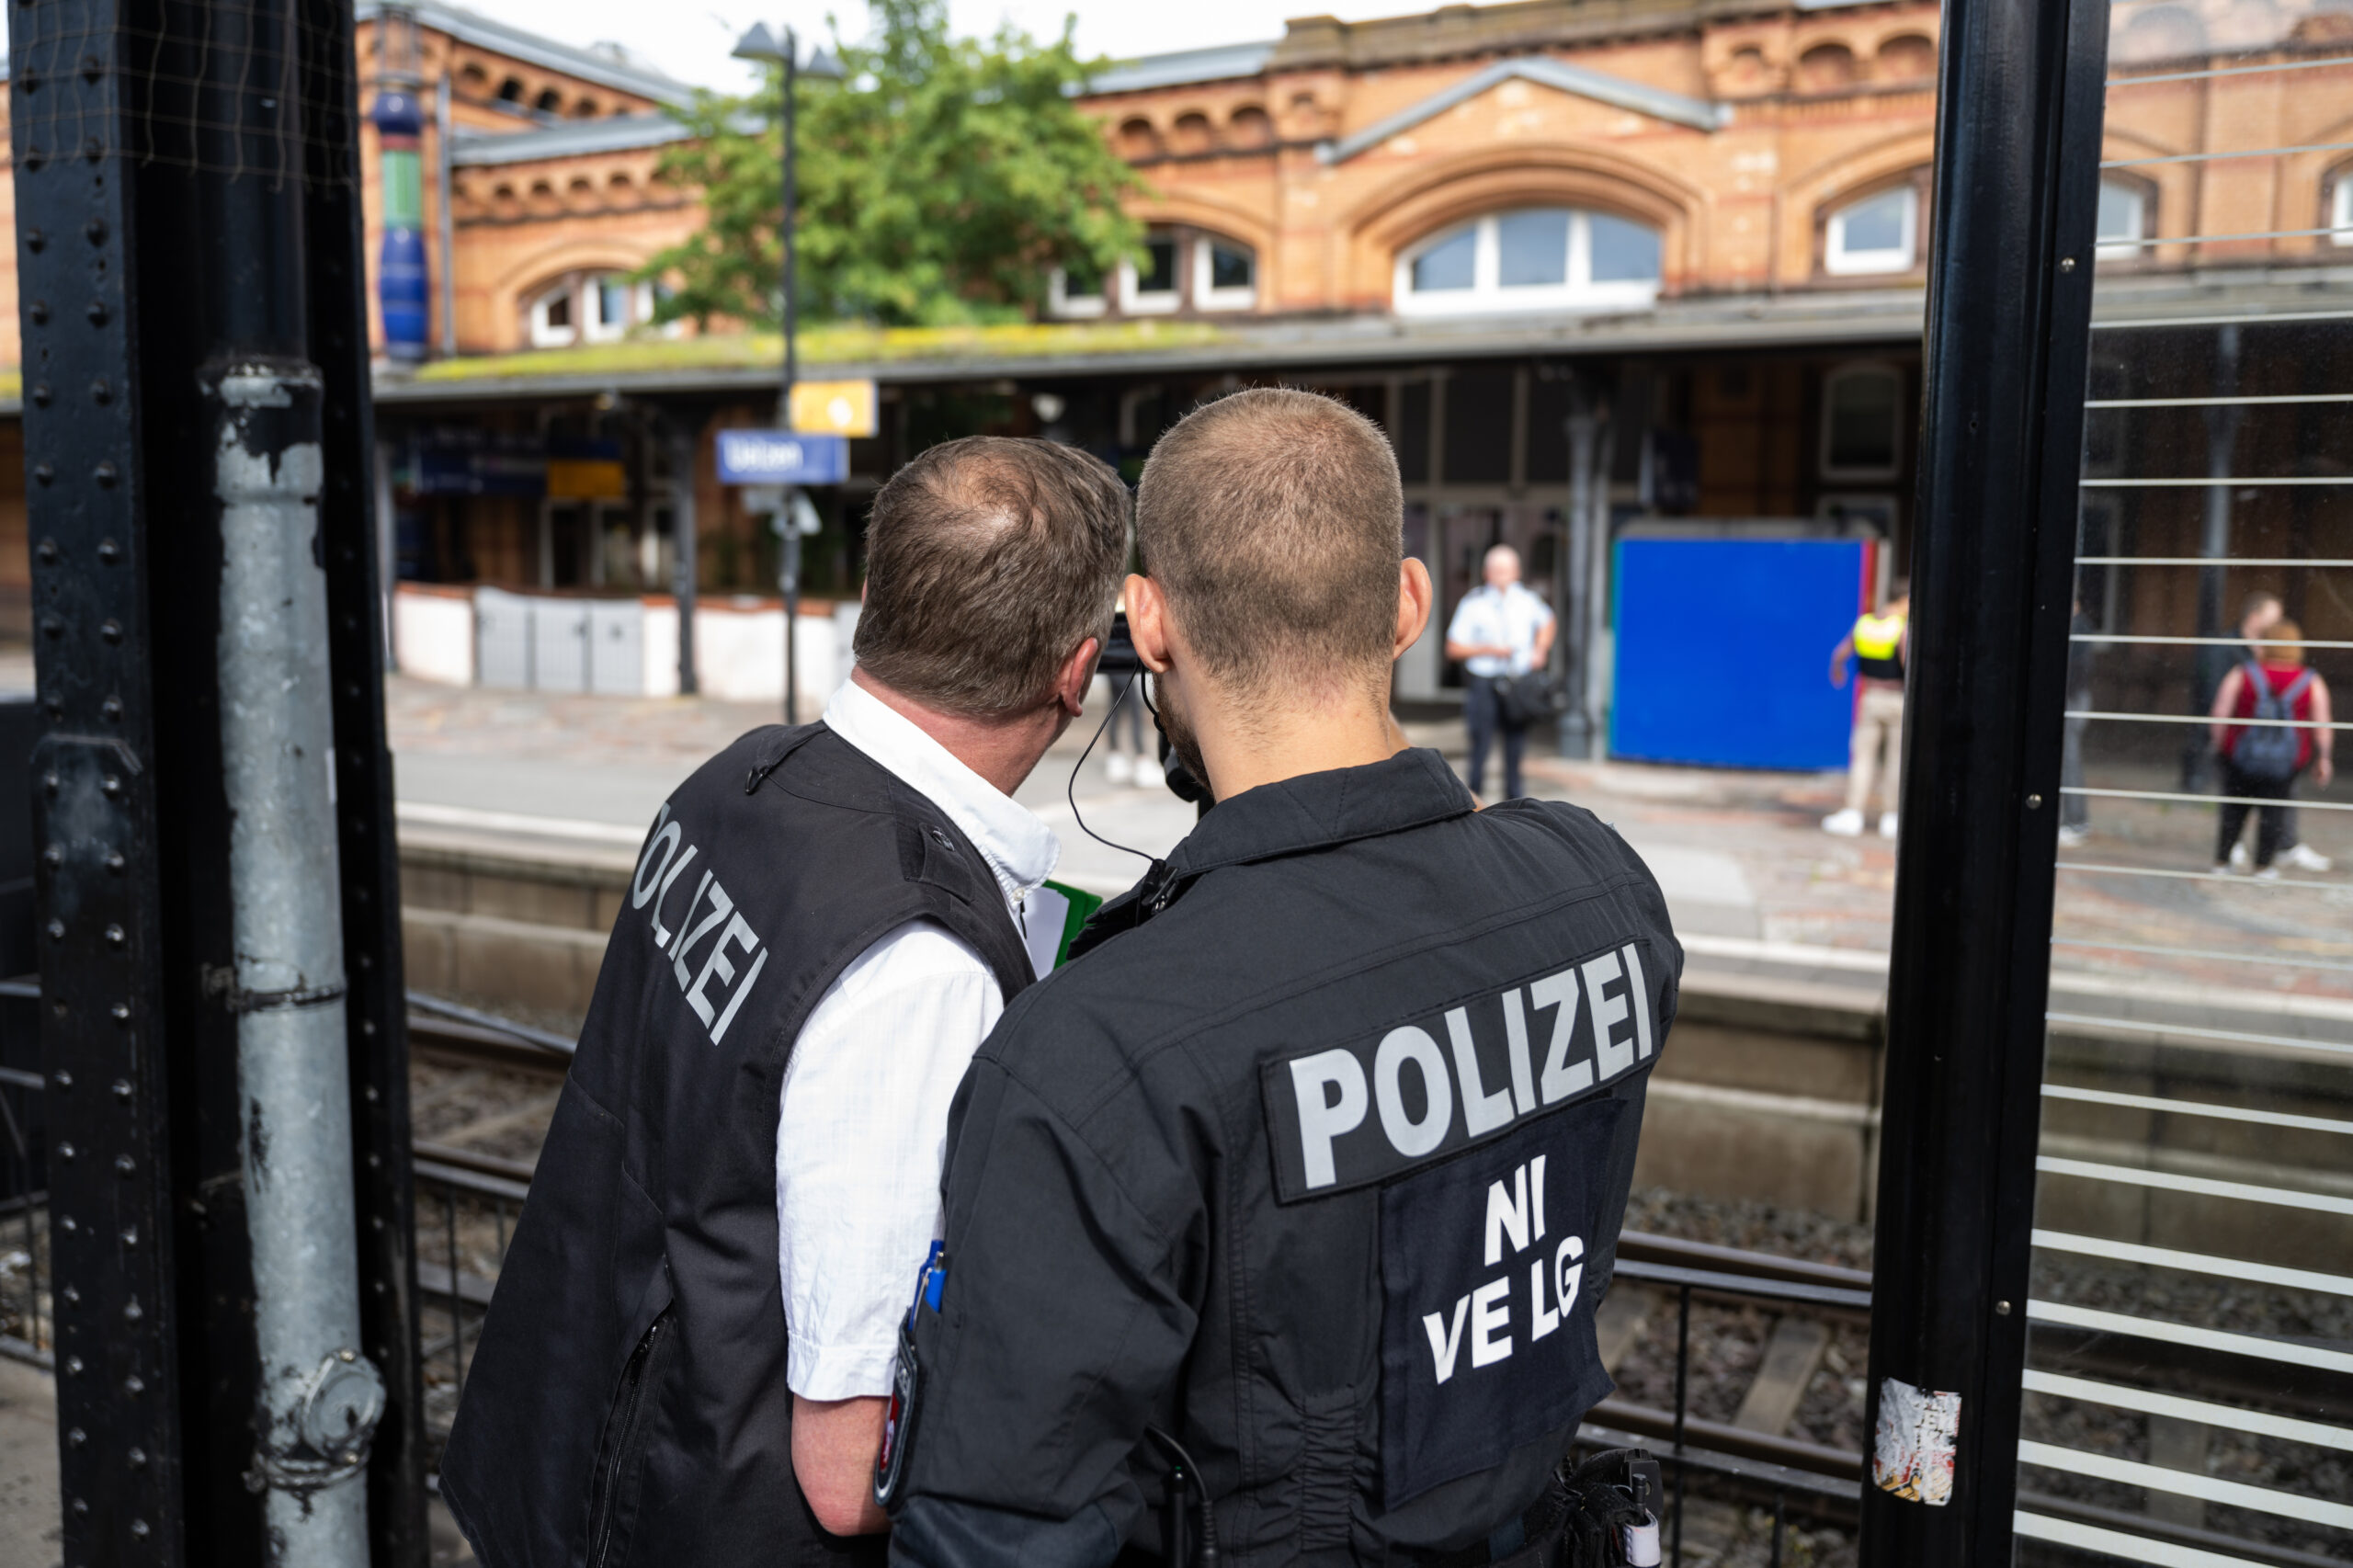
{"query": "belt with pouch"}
(1603, 1513)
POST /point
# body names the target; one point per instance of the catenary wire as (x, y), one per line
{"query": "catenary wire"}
(2197, 953)
(2211, 158)
(2202, 800)
(2195, 1032)
(2258, 1117)
(2233, 1268)
(2211, 72)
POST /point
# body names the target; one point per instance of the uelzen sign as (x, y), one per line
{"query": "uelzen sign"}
(782, 457)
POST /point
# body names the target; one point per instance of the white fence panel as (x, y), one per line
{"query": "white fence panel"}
(503, 640)
(559, 646)
(617, 647)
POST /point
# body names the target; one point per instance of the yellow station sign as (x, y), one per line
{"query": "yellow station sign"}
(834, 408)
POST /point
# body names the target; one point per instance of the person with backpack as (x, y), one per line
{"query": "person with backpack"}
(2290, 706)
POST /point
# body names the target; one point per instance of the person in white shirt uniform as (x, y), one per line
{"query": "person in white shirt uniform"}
(825, 923)
(860, 1129)
(1500, 630)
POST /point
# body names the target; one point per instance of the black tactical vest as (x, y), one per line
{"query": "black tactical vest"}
(627, 1401)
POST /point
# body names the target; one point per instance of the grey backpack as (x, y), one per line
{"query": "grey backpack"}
(2268, 751)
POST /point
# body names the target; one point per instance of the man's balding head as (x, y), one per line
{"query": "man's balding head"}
(1274, 522)
(988, 561)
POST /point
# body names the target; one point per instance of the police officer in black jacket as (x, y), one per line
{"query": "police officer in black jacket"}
(1304, 1180)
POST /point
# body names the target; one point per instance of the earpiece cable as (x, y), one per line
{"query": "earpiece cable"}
(1070, 790)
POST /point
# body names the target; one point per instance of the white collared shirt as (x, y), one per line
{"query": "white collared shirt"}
(1510, 619)
(862, 1123)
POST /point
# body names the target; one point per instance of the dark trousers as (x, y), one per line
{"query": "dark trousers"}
(1484, 717)
(2270, 827)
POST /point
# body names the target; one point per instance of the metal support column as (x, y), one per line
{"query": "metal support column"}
(1576, 576)
(682, 430)
(223, 1024)
(2018, 136)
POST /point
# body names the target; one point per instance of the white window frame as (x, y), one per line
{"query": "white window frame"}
(643, 294)
(1208, 298)
(1060, 301)
(2340, 209)
(1134, 302)
(1877, 369)
(1838, 259)
(1486, 295)
(593, 285)
(544, 335)
(2124, 247)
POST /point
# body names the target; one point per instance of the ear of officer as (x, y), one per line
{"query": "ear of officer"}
(1244, 741)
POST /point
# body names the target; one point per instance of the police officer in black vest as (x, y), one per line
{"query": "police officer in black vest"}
(685, 1361)
(1299, 1187)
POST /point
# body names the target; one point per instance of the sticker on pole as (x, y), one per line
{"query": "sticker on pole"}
(782, 457)
(1912, 1454)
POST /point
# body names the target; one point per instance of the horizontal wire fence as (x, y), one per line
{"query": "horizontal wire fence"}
(2189, 1394)
(221, 86)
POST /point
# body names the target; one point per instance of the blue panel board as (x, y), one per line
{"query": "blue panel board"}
(782, 457)
(1724, 651)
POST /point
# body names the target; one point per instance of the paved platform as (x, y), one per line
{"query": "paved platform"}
(1741, 855)
(29, 1532)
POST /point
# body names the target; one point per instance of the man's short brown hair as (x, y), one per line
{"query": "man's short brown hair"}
(1274, 521)
(988, 560)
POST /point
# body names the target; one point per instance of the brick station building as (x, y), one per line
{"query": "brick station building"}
(1596, 265)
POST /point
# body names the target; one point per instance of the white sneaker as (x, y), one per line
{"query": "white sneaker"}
(1887, 824)
(1121, 767)
(2224, 868)
(2305, 858)
(2240, 859)
(2268, 874)
(1149, 774)
(1848, 824)
(2074, 837)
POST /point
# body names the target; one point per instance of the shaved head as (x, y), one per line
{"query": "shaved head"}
(1274, 521)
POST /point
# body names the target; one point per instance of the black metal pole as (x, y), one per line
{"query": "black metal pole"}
(2017, 146)
(682, 430)
(188, 226)
(1574, 618)
(787, 524)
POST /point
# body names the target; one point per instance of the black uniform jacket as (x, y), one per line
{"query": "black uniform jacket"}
(627, 1404)
(1316, 1160)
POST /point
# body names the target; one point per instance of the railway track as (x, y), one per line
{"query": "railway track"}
(1743, 1368)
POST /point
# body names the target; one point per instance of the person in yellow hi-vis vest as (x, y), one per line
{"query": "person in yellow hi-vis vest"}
(1879, 645)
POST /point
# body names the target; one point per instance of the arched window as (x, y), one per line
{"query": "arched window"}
(1076, 289)
(1536, 258)
(595, 307)
(1879, 234)
(1826, 68)
(554, 317)
(551, 102)
(2123, 221)
(1908, 57)
(1225, 274)
(1137, 139)
(1149, 286)
(511, 90)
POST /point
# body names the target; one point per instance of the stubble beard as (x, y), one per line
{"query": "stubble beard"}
(1181, 739)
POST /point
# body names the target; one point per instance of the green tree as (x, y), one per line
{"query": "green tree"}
(939, 181)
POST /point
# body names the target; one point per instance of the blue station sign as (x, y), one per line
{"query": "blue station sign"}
(782, 457)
